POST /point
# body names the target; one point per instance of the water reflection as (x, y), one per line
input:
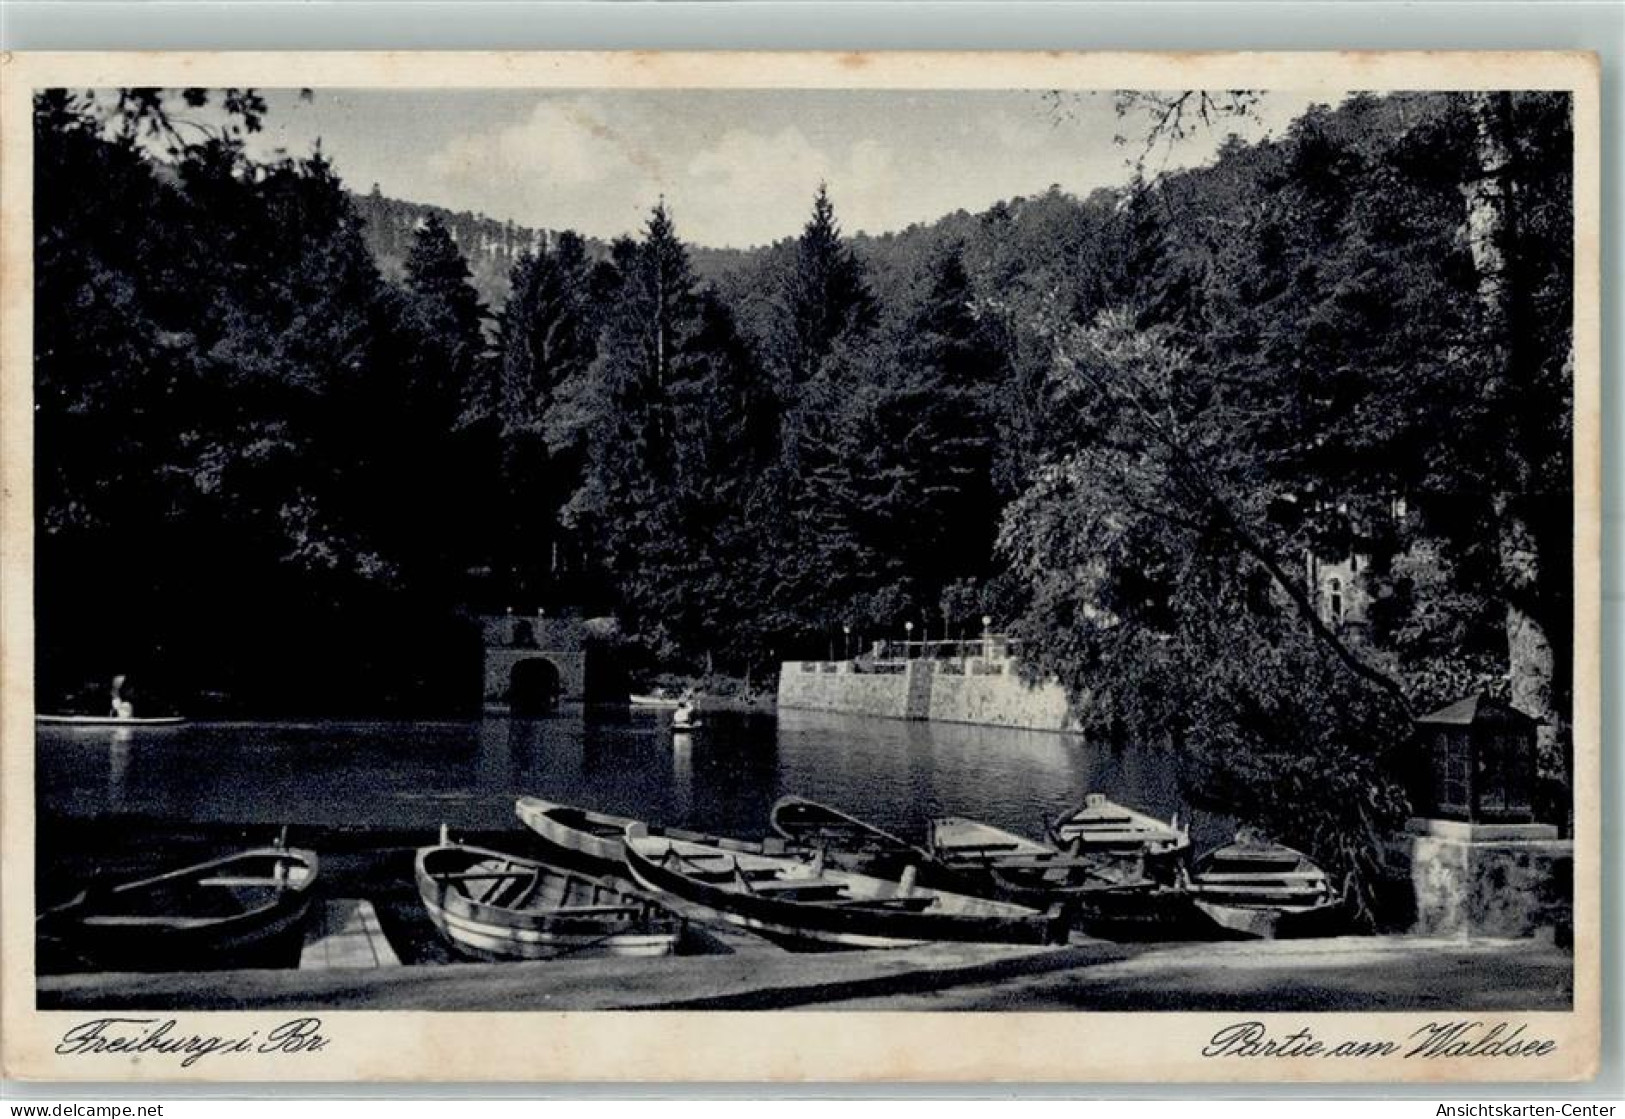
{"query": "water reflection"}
(682, 773)
(118, 767)
(723, 777)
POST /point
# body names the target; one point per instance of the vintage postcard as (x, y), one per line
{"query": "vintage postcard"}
(790, 567)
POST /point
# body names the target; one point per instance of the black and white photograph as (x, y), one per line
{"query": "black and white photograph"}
(842, 542)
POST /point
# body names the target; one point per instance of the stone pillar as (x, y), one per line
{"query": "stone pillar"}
(1490, 880)
(917, 704)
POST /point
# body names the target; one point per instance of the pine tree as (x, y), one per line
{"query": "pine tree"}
(824, 296)
(676, 444)
(452, 317)
(546, 346)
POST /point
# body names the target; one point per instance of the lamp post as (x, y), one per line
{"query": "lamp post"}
(987, 636)
(908, 638)
(846, 643)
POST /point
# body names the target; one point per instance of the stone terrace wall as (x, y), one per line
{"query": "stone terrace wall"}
(999, 699)
(982, 692)
(809, 685)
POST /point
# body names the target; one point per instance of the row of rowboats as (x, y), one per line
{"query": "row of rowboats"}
(828, 878)
(613, 885)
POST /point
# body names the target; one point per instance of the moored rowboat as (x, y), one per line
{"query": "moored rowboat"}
(848, 842)
(803, 902)
(596, 839)
(1257, 888)
(498, 906)
(1024, 870)
(1101, 826)
(239, 910)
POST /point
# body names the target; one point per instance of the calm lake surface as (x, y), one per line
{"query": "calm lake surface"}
(723, 778)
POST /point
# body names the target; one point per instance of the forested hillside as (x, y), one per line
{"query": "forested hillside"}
(489, 247)
(286, 437)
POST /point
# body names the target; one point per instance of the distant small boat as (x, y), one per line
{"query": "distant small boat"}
(1021, 869)
(849, 843)
(109, 721)
(646, 700)
(598, 839)
(497, 906)
(1101, 826)
(238, 910)
(803, 902)
(1257, 888)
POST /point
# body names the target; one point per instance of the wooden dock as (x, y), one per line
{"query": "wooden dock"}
(345, 934)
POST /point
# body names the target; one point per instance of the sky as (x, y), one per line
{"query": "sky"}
(736, 167)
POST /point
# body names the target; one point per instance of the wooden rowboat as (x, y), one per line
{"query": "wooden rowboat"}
(848, 842)
(660, 701)
(1101, 825)
(1020, 869)
(497, 906)
(243, 909)
(108, 721)
(583, 837)
(802, 902)
(1257, 888)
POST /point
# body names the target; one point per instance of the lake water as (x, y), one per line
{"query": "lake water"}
(723, 778)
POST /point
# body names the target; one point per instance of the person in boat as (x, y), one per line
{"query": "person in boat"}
(122, 707)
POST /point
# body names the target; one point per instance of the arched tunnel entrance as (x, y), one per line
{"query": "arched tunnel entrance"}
(533, 686)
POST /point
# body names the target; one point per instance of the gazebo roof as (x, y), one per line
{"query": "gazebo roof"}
(1465, 712)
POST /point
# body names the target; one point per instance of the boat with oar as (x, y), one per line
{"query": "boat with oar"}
(1012, 866)
(803, 902)
(583, 837)
(493, 905)
(1257, 888)
(848, 842)
(685, 718)
(239, 910)
(1103, 827)
(58, 720)
(655, 701)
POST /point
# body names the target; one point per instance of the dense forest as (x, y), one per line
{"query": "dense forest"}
(281, 464)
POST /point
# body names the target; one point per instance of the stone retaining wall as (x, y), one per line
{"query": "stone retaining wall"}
(1488, 880)
(986, 692)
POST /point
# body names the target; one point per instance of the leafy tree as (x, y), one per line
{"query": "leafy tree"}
(1277, 390)
(218, 368)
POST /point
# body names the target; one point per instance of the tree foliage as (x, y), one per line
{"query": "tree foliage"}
(1126, 425)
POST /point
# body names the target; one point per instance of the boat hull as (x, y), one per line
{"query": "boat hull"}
(1258, 889)
(107, 721)
(847, 842)
(567, 833)
(992, 862)
(490, 932)
(597, 840)
(1105, 829)
(99, 933)
(818, 926)
(1263, 922)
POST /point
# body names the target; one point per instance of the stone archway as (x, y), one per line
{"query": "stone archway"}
(534, 686)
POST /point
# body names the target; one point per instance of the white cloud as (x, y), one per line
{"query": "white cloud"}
(567, 141)
(753, 187)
